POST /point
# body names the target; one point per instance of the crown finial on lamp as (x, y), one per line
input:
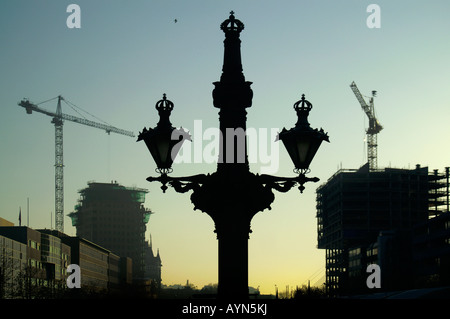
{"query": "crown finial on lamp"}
(232, 24)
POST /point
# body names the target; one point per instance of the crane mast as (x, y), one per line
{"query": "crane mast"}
(59, 168)
(58, 119)
(374, 126)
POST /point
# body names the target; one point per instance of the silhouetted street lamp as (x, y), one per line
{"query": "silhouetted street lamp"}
(302, 142)
(232, 195)
(164, 141)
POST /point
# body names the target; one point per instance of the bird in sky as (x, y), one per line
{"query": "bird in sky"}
(175, 20)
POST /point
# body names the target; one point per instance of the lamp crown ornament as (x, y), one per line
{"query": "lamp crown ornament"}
(232, 24)
(164, 108)
(303, 104)
(302, 107)
(164, 104)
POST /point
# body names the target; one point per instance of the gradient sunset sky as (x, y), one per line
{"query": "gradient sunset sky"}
(128, 53)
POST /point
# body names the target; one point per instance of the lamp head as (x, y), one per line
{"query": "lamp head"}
(164, 141)
(301, 141)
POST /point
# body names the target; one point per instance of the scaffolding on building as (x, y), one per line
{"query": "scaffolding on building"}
(114, 217)
(354, 206)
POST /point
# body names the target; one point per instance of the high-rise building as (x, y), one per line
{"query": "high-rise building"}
(113, 216)
(369, 216)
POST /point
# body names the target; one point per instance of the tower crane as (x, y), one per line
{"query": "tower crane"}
(374, 126)
(58, 119)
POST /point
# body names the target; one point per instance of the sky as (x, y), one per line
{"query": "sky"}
(126, 55)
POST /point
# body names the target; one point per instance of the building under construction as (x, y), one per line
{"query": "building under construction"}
(396, 218)
(114, 217)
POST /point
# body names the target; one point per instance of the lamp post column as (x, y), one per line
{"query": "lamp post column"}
(232, 95)
(233, 235)
(232, 195)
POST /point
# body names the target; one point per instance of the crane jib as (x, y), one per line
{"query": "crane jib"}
(374, 126)
(29, 107)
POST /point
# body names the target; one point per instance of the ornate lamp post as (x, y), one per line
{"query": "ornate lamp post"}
(232, 195)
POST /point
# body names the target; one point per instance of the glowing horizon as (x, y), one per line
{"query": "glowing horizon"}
(124, 57)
